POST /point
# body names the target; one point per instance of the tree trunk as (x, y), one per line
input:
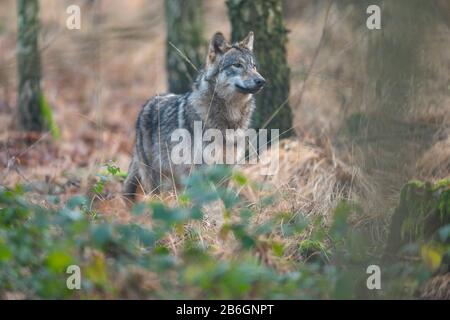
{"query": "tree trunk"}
(29, 66)
(264, 17)
(185, 42)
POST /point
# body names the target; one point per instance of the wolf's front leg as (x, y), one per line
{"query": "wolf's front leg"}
(132, 180)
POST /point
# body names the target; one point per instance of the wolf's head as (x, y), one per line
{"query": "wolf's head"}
(233, 67)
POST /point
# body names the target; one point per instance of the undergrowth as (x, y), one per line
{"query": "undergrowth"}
(38, 243)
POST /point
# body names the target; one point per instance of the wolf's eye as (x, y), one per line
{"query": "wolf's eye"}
(238, 65)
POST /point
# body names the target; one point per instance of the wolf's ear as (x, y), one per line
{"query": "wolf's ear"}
(248, 41)
(218, 46)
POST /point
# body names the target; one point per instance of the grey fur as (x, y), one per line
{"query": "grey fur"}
(221, 97)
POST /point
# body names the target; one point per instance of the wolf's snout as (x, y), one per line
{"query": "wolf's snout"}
(252, 85)
(260, 82)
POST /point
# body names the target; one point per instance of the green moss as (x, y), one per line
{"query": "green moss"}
(422, 210)
(46, 112)
(308, 246)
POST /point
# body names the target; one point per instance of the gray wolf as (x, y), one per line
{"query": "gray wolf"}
(221, 98)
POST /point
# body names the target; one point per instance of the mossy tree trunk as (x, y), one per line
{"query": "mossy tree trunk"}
(29, 66)
(184, 21)
(264, 17)
(423, 209)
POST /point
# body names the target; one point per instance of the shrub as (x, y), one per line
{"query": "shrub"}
(38, 243)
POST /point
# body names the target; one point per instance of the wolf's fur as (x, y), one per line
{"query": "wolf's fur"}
(221, 97)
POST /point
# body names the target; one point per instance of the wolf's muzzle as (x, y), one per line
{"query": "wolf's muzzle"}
(252, 86)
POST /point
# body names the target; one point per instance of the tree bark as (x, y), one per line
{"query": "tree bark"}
(264, 17)
(184, 21)
(29, 66)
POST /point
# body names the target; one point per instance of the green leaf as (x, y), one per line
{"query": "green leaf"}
(278, 249)
(102, 234)
(240, 178)
(76, 202)
(112, 168)
(58, 260)
(97, 271)
(71, 214)
(196, 213)
(339, 227)
(145, 236)
(431, 256)
(5, 252)
(138, 209)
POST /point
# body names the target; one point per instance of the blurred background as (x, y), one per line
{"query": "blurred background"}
(363, 112)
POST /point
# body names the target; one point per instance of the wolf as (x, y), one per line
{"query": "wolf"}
(221, 98)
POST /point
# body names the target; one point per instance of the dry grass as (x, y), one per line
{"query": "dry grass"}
(435, 162)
